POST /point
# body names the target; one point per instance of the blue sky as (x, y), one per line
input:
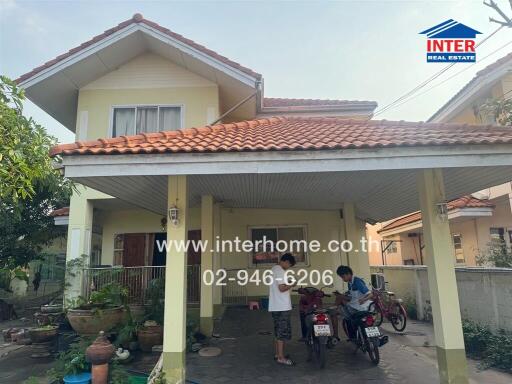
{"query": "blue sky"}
(363, 50)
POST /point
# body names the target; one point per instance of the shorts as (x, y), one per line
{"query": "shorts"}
(282, 325)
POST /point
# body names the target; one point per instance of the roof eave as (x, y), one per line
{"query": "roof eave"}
(471, 90)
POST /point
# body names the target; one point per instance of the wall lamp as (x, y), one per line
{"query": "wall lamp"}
(442, 211)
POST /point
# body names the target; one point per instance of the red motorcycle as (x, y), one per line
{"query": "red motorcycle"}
(316, 324)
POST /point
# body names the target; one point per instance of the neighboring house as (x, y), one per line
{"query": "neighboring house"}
(190, 148)
(474, 220)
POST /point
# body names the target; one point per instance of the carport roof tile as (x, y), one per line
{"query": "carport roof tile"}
(293, 134)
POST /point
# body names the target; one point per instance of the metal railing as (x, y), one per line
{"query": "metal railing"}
(137, 280)
(233, 293)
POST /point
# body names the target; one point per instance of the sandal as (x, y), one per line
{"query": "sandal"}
(287, 362)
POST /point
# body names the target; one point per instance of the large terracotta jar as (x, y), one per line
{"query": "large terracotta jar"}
(149, 335)
(92, 321)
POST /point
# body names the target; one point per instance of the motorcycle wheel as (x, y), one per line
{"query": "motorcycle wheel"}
(309, 347)
(320, 353)
(379, 316)
(399, 318)
(372, 347)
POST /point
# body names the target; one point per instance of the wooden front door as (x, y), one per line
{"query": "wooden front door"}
(134, 249)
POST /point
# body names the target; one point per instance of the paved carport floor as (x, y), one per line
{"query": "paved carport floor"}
(247, 357)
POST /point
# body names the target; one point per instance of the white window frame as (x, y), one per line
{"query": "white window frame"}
(135, 106)
(461, 249)
(304, 227)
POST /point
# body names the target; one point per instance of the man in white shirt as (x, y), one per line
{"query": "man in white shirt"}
(280, 305)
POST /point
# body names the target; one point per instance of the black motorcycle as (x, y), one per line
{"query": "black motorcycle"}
(361, 330)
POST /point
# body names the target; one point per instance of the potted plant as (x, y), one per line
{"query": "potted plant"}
(102, 312)
(149, 335)
(71, 365)
(42, 334)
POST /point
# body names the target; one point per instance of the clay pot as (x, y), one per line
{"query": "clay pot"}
(100, 351)
(138, 312)
(92, 321)
(149, 336)
(42, 335)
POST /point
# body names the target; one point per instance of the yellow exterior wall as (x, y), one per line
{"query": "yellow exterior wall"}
(142, 85)
(320, 225)
(134, 221)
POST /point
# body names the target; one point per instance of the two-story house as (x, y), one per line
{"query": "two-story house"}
(475, 220)
(176, 142)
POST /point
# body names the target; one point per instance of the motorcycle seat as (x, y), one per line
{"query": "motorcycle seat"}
(360, 315)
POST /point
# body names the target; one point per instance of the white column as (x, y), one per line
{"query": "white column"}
(357, 259)
(207, 236)
(78, 243)
(175, 314)
(444, 297)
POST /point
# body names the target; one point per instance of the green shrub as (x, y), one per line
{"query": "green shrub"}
(493, 349)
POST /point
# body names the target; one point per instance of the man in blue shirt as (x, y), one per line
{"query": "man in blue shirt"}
(358, 297)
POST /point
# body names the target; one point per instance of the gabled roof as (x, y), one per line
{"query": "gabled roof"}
(293, 133)
(137, 19)
(450, 29)
(461, 202)
(503, 64)
(54, 86)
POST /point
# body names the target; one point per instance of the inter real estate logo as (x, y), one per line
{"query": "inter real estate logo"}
(451, 42)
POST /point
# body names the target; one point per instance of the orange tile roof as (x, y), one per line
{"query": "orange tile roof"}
(294, 133)
(138, 19)
(276, 102)
(60, 212)
(461, 202)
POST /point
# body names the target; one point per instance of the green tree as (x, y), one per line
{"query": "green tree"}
(30, 186)
(499, 109)
(497, 254)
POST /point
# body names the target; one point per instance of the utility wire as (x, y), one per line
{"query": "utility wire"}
(449, 78)
(430, 79)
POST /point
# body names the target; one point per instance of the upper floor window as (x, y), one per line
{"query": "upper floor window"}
(145, 119)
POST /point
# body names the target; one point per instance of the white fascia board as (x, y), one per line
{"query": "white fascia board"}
(80, 55)
(454, 213)
(201, 56)
(61, 220)
(403, 228)
(287, 161)
(470, 212)
(461, 101)
(128, 30)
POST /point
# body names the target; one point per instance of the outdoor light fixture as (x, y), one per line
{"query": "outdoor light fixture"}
(442, 211)
(173, 215)
(163, 223)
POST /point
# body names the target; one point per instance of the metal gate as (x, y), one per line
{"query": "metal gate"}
(233, 293)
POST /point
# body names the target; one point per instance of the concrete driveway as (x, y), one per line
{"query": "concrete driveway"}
(247, 344)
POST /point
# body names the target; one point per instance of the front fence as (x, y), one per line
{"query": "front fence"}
(137, 280)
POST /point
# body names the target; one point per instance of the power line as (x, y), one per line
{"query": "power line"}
(449, 78)
(430, 79)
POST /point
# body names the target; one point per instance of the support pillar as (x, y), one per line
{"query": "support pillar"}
(451, 356)
(357, 258)
(207, 236)
(175, 314)
(78, 243)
